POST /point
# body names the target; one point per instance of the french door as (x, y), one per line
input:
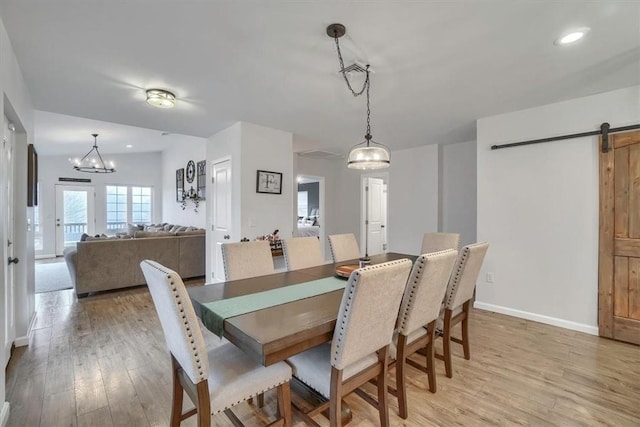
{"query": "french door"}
(75, 214)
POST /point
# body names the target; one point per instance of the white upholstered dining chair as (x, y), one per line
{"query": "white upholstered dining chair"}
(434, 242)
(344, 247)
(457, 301)
(217, 378)
(419, 311)
(359, 350)
(302, 252)
(247, 259)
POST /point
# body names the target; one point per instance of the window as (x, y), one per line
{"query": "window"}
(37, 229)
(303, 203)
(141, 205)
(116, 207)
(128, 204)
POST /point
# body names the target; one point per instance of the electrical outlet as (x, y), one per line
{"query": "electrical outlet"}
(490, 278)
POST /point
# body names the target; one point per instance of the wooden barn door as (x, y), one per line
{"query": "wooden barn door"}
(619, 269)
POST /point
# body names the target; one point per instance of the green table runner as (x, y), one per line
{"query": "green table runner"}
(214, 313)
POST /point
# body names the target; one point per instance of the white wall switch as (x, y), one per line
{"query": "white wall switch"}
(490, 277)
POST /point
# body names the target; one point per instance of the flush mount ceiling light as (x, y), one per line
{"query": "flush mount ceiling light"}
(161, 98)
(92, 161)
(367, 154)
(572, 37)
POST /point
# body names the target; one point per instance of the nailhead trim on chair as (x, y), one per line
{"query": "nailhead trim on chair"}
(247, 398)
(196, 355)
(456, 277)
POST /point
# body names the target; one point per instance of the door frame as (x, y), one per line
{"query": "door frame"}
(7, 222)
(211, 273)
(363, 208)
(91, 221)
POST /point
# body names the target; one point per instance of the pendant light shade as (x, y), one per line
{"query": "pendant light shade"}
(369, 155)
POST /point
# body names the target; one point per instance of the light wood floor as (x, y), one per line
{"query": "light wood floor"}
(101, 361)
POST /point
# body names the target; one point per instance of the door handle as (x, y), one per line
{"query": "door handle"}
(227, 237)
(382, 226)
(13, 260)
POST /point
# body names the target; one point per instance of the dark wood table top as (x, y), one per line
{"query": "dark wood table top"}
(276, 333)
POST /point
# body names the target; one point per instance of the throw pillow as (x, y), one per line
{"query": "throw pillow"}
(84, 237)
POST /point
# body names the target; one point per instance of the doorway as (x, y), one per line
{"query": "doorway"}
(373, 223)
(75, 214)
(311, 219)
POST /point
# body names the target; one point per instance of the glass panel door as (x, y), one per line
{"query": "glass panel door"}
(74, 214)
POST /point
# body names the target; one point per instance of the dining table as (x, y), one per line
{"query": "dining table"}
(276, 316)
(281, 330)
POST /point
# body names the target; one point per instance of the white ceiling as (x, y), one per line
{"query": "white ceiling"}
(439, 65)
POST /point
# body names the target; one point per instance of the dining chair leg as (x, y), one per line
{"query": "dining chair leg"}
(401, 384)
(335, 398)
(383, 401)
(446, 343)
(284, 403)
(178, 394)
(204, 404)
(465, 331)
(430, 356)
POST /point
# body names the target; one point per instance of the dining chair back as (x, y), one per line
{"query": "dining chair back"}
(435, 242)
(457, 300)
(214, 377)
(247, 259)
(344, 247)
(359, 350)
(302, 252)
(419, 311)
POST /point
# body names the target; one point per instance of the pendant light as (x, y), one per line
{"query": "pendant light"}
(368, 154)
(92, 162)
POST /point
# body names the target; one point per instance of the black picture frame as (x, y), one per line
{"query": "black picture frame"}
(32, 176)
(179, 185)
(268, 182)
(202, 179)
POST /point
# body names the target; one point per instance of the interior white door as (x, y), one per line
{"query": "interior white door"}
(385, 219)
(75, 214)
(221, 220)
(6, 195)
(375, 217)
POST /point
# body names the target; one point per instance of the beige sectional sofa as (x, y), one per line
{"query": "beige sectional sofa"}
(100, 265)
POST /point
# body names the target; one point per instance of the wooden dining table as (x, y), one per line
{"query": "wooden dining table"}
(273, 334)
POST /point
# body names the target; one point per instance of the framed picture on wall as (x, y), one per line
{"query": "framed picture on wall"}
(179, 184)
(269, 182)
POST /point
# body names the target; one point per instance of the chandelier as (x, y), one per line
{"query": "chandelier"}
(92, 162)
(368, 154)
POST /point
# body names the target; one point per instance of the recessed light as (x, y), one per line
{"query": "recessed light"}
(129, 146)
(161, 98)
(572, 37)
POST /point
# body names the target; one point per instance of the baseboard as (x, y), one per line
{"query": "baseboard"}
(554, 321)
(24, 340)
(4, 414)
(45, 256)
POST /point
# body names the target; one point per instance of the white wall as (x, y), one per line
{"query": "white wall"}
(413, 197)
(18, 107)
(131, 169)
(538, 209)
(175, 158)
(271, 150)
(458, 190)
